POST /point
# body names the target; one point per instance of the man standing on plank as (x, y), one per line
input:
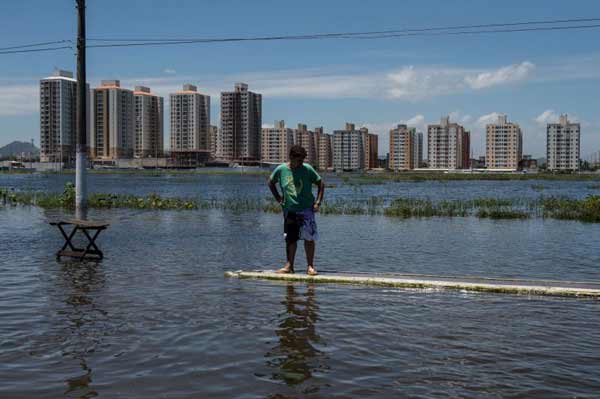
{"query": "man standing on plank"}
(299, 206)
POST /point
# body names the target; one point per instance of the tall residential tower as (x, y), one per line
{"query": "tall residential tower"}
(563, 145)
(448, 145)
(113, 129)
(190, 120)
(504, 144)
(149, 121)
(58, 117)
(241, 124)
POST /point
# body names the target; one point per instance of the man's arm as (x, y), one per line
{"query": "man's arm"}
(274, 191)
(320, 195)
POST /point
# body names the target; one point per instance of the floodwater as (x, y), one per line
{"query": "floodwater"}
(157, 319)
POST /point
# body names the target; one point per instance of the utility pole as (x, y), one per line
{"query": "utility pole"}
(81, 151)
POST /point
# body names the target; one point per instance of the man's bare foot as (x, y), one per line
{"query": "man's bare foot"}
(311, 271)
(285, 270)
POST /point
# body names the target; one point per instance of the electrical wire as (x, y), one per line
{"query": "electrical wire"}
(34, 45)
(350, 34)
(35, 50)
(512, 27)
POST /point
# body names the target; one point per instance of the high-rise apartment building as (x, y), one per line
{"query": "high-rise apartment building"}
(190, 120)
(149, 123)
(113, 127)
(372, 151)
(503, 145)
(324, 149)
(58, 117)
(276, 143)
(563, 145)
(349, 149)
(241, 124)
(402, 148)
(212, 140)
(418, 153)
(306, 139)
(447, 145)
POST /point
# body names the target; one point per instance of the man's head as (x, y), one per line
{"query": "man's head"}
(297, 156)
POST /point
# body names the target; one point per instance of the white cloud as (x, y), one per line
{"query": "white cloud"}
(268, 126)
(507, 74)
(169, 71)
(487, 119)
(19, 100)
(548, 116)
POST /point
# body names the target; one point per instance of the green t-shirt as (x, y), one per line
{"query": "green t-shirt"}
(296, 185)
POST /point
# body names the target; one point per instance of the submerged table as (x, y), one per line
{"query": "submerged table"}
(90, 229)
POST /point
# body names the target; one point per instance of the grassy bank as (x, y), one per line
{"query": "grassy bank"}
(586, 210)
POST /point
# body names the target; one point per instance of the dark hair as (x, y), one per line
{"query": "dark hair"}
(297, 151)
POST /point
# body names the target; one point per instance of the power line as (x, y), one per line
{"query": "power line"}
(34, 45)
(513, 27)
(350, 34)
(358, 36)
(35, 50)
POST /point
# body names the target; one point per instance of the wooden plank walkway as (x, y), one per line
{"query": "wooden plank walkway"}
(415, 281)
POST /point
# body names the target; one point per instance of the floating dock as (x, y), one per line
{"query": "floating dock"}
(417, 281)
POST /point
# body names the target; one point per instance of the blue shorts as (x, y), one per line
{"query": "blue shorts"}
(300, 225)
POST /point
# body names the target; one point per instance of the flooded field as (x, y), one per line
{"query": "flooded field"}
(156, 318)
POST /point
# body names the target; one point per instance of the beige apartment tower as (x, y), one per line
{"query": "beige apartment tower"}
(563, 145)
(190, 120)
(402, 148)
(113, 128)
(306, 139)
(276, 143)
(324, 149)
(149, 123)
(447, 145)
(504, 144)
(241, 124)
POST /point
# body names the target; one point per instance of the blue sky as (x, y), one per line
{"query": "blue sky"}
(532, 77)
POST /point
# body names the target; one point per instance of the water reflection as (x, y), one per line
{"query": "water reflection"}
(296, 358)
(83, 331)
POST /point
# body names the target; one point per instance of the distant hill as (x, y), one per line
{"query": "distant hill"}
(16, 148)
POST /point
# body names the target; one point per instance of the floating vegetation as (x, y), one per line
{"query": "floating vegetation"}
(586, 209)
(498, 213)
(594, 186)
(330, 185)
(538, 187)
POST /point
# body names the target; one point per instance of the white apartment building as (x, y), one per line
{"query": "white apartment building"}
(563, 145)
(113, 127)
(504, 144)
(276, 143)
(241, 124)
(190, 120)
(58, 117)
(447, 145)
(149, 123)
(349, 149)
